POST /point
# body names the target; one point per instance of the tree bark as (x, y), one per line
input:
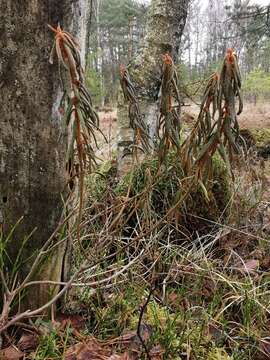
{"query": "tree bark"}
(165, 26)
(32, 152)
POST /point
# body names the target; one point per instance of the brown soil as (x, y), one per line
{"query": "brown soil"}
(253, 116)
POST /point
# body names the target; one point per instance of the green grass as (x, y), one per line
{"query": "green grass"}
(54, 344)
(207, 311)
(209, 308)
(205, 305)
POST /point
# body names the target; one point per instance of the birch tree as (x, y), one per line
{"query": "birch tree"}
(165, 26)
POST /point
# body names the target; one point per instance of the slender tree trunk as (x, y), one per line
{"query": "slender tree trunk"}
(131, 24)
(32, 152)
(99, 50)
(166, 22)
(197, 36)
(189, 56)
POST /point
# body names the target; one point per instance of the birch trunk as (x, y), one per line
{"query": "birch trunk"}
(165, 26)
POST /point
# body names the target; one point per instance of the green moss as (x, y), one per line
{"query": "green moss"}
(258, 139)
(218, 354)
(261, 136)
(98, 181)
(166, 190)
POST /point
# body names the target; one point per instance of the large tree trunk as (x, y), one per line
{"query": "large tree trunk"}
(32, 158)
(165, 26)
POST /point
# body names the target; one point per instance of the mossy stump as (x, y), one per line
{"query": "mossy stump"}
(197, 214)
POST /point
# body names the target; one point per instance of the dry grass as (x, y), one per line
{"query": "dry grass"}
(108, 125)
(253, 116)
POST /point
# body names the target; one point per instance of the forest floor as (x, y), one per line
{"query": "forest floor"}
(253, 116)
(210, 296)
(216, 308)
(215, 305)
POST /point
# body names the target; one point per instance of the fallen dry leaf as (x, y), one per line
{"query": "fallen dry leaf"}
(231, 240)
(250, 265)
(208, 288)
(120, 357)
(156, 353)
(91, 350)
(173, 297)
(11, 353)
(75, 321)
(131, 340)
(28, 342)
(265, 263)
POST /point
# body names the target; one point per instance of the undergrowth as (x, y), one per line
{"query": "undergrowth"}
(177, 256)
(207, 307)
(211, 285)
(160, 188)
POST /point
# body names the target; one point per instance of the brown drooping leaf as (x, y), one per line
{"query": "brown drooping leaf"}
(168, 125)
(80, 116)
(11, 353)
(28, 342)
(136, 118)
(215, 131)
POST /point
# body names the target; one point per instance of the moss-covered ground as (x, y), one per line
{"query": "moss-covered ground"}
(208, 263)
